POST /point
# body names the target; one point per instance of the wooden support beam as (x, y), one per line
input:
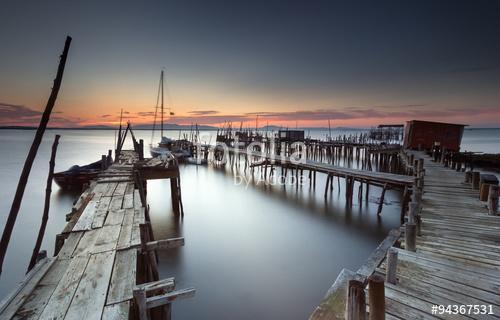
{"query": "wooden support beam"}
(164, 244)
(169, 297)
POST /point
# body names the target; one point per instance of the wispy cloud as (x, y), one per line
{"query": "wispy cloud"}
(14, 114)
(203, 112)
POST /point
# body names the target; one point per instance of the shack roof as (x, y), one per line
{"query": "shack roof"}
(437, 123)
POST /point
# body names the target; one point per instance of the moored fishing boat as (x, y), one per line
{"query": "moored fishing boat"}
(77, 176)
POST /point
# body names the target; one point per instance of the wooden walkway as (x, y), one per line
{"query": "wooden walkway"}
(98, 263)
(457, 261)
(373, 177)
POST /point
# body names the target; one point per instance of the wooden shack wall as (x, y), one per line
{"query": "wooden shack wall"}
(426, 133)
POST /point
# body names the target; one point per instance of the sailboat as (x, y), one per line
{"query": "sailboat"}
(167, 147)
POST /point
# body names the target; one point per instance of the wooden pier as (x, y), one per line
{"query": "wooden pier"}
(105, 263)
(455, 260)
(363, 177)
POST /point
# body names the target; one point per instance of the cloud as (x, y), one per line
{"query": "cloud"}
(146, 114)
(105, 116)
(13, 114)
(16, 112)
(203, 112)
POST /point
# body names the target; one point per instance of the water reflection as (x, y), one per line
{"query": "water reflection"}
(266, 251)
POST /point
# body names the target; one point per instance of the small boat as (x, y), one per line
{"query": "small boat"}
(77, 176)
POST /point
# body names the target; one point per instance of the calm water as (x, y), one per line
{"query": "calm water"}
(251, 251)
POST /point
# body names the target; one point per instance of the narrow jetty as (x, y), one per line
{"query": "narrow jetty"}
(451, 260)
(364, 177)
(105, 263)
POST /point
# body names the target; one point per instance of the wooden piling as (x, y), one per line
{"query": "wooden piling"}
(493, 200)
(411, 237)
(392, 264)
(381, 203)
(356, 301)
(45, 216)
(16, 203)
(475, 180)
(376, 297)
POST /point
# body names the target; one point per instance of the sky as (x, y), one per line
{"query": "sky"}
(289, 63)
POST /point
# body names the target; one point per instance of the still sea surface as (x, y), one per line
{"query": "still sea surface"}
(252, 252)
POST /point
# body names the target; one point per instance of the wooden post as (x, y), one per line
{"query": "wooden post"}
(21, 186)
(45, 216)
(109, 158)
(412, 211)
(140, 301)
(475, 180)
(382, 196)
(392, 264)
(411, 237)
(60, 239)
(356, 301)
(104, 162)
(468, 177)
(141, 149)
(174, 192)
(419, 224)
(484, 191)
(376, 297)
(420, 168)
(493, 200)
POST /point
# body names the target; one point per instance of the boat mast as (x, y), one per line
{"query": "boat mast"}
(161, 83)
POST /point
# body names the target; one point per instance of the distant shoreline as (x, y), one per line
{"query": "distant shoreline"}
(201, 128)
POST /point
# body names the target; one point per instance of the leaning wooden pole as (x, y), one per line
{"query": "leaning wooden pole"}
(45, 217)
(21, 186)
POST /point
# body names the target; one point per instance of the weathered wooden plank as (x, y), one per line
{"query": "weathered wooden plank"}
(126, 230)
(101, 212)
(117, 311)
(85, 221)
(137, 199)
(37, 300)
(333, 304)
(379, 254)
(166, 298)
(123, 277)
(115, 217)
(110, 188)
(88, 302)
(116, 203)
(139, 218)
(70, 245)
(10, 304)
(60, 300)
(120, 189)
(107, 239)
(86, 243)
(128, 201)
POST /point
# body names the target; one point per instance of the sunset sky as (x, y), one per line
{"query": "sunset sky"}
(290, 62)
